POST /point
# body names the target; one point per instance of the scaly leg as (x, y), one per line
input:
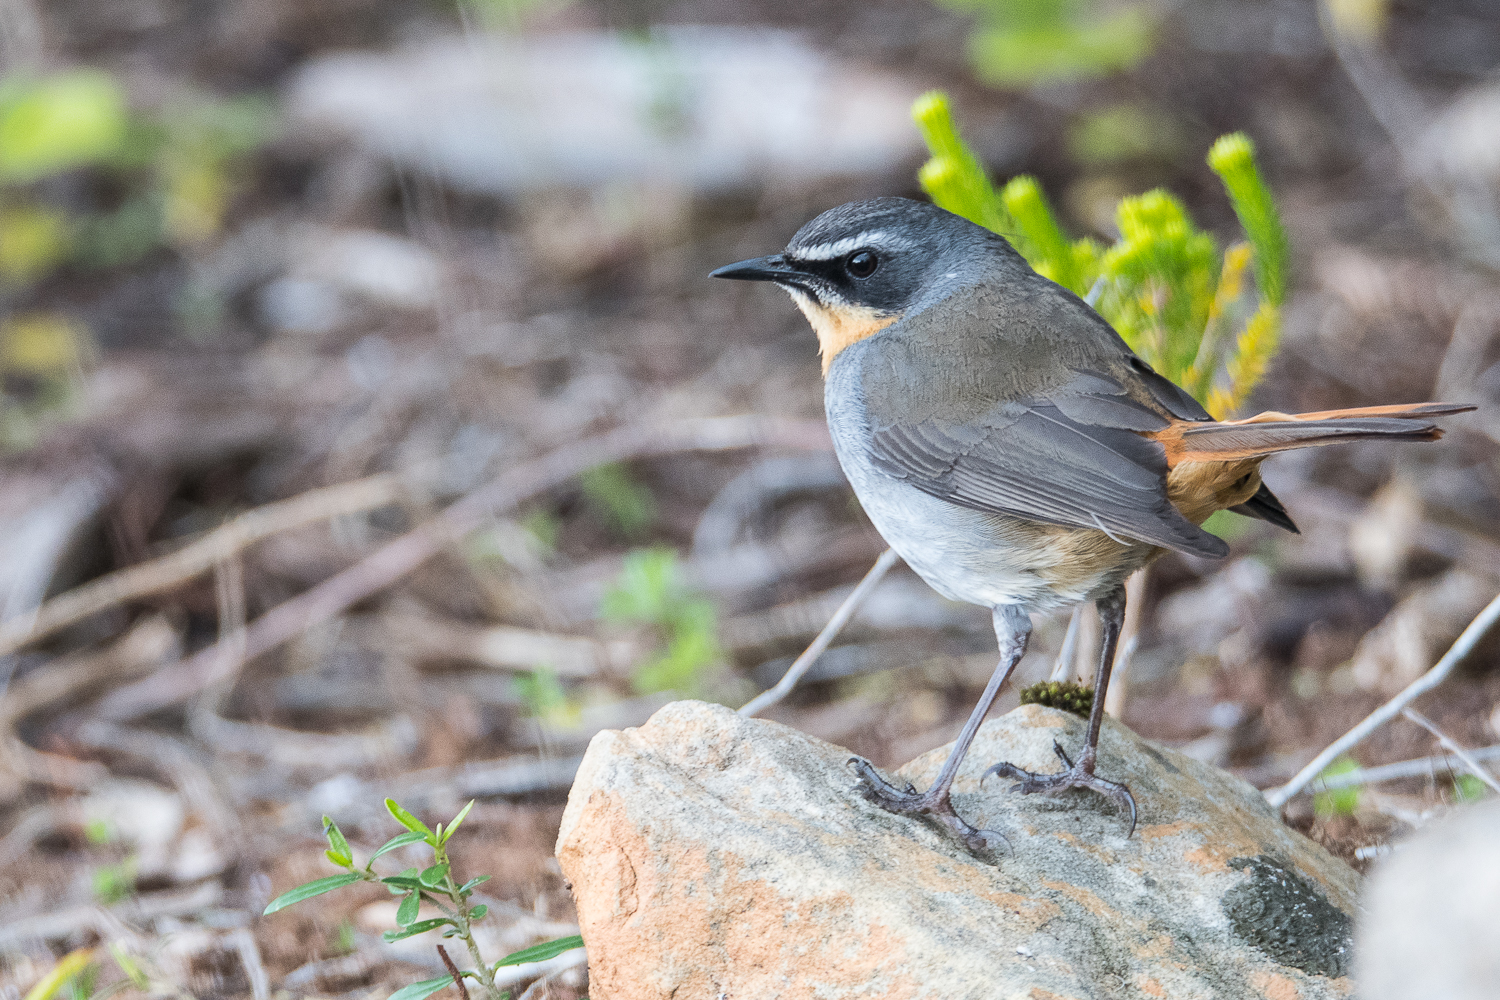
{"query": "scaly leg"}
(1081, 774)
(1013, 629)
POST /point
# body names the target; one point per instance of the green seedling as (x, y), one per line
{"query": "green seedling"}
(1017, 43)
(435, 885)
(618, 499)
(1341, 801)
(650, 592)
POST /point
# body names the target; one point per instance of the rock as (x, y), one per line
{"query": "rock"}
(717, 856)
(699, 108)
(1433, 909)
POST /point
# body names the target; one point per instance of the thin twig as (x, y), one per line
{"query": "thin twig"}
(176, 568)
(1452, 747)
(1461, 648)
(1419, 768)
(458, 977)
(1063, 669)
(391, 563)
(810, 655)
(255, 969)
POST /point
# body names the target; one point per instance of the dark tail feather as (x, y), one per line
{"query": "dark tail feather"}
(1266, 507)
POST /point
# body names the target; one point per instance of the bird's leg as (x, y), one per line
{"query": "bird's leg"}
(1081, 774)
(1013, 629)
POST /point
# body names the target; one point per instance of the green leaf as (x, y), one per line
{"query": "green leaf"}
(58, 123)
(310, 889)
(407, 820)
(1341, 801)
(338, 848)
(616, 497)
(404, 882)
(470, 885)
(400, 840)
(433, 877)
(954, 177)
(478, 912)
(541, 952)
(421, 927)
(406, 913)
(1466, 788)
(456, 820)
(422, 990)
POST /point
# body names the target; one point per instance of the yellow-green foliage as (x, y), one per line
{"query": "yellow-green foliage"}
(1164, 284)
(650, 591)
(1020, 42)
(1341, 801)
(170, 171)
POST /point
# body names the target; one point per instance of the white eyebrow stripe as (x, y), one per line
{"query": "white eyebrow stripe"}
(830, 251)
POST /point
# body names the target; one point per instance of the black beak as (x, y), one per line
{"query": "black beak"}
(772, 268)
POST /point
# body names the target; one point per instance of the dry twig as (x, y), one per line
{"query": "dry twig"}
(810, 655)
(1461, 648)
(1452, 747)
(199, 557)
(1421, 767)
(392, 562)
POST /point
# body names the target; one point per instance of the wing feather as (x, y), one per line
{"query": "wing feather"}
(1076, 460)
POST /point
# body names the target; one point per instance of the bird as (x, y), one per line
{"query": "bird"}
(1013, 450)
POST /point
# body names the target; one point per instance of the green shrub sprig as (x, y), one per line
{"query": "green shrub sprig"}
(435, 885)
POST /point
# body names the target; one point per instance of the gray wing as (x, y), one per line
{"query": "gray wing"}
(1075, 459)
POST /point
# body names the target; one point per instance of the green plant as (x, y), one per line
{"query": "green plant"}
(1164, 284)
(545, 697)
(1340, 801)
(151, 178)
(1468, 788)
(115, 882)
(650, 591)
(618, 499)
(1021, 42)
(435, 885)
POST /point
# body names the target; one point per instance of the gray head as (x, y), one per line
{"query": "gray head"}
(858, 268)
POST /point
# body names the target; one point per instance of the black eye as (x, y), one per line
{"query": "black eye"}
(861, 264)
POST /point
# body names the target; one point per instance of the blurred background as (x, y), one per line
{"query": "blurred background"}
(395, 255)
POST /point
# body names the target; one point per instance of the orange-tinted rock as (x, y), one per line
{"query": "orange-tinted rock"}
(714, 856)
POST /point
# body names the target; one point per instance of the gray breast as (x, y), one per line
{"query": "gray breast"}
(963, 554)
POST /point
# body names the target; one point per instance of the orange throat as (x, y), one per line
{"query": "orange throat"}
(839, 325)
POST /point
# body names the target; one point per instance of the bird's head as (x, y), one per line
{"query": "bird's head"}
(858, 268)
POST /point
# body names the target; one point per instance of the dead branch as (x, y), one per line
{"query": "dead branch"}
(426, 637)
(1452, 747)
(198, 557)
(1461, 648)
(1419, 768)
(810, 655)
(391, 563)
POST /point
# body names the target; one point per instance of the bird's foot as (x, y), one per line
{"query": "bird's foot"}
(1080, 775)
(910, 802)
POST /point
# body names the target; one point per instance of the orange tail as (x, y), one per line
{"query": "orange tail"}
(1267, 433)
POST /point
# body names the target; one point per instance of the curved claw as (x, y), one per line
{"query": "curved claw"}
(910, 802)
(1063, 754)
(1075, 776)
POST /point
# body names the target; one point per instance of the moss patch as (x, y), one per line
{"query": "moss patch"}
(1065, 695)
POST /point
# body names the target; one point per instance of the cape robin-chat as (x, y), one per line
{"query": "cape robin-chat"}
(1012, 449)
